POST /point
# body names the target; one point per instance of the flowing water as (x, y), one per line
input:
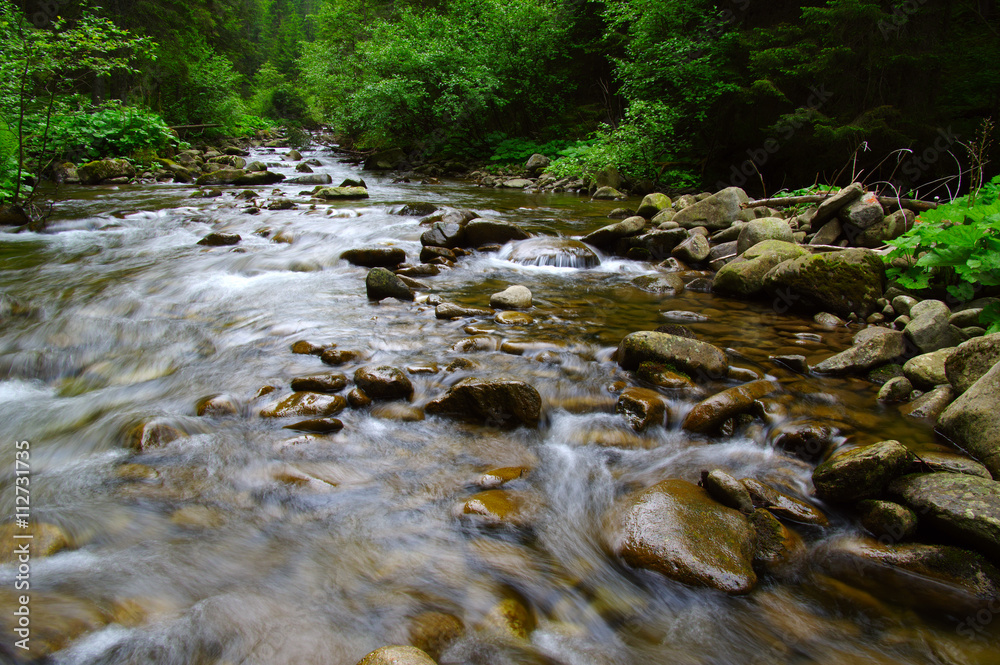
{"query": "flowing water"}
(243, 542)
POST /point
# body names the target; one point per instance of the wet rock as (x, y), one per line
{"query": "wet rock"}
(696, 359)
(806, 440)
(606, 236)
(495, 478)
(845, 282)
(475, 344)
(652, 204)
(488, 231)
(664, 377)
(675, 528)
(861, 473)
(303, 404)
(448, 310)
(642, 407)
(398, 411)
(928, 370)
(715, 212)
(55, 621)
(775, 545)
(669, 284)
(375, 257)
(745, 276)
(660, 243)
(828, 320)
(948, 579)
(433, 632)
(889, 228)
(498, 507)
(878, 349)
(693, 250)
(896, 389)
(833, 204)
(220, 240)
(513, 297)
(973, 421)
(152, 434)
(384, 383)
(311, 179)
(340, 193)
(97, 172)
(317, 425)
(930, 405)
(510, 619)
(338, 356)
(11, 215)
(499, 403)
(708, 415)
(513, 319)
(423, 270)
(794, 362)
(281, 204)
(886, 520)
(516, 183)
(557, 252)
(783, 505)
(758, 230)
(443, 234)
(947, 462)
(381, 284)
(727, 490)
(971, 361)
(958, 507)
(397, 655)
(358, 399)
(430, 253)
(45, 540)
(320, 383)
(216, 406)
(607, 194)
(258, 179)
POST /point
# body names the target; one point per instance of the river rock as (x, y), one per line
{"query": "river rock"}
(374, 257)
(46, 539)
(833, 204)
(887, 520)
(439, 255)
(450, 310)
(845, 282)
(557, 252)
(220, 240)
(498, 507)
(971, 361)
(11, 215)
(880, 348)
(504, 403)
(152, 434)
(383, 383)
(806, 440)
(317, 425)
(939, 577)
(699, 360)
(928, 370)
(537, 162)
(433, 632)
(513, 297)
(338, 356)
(896, 389)
(303, 404)
(783, 505)
(443, 234)
(973, 421)
(345, 193)
(516, 183)
(676, 529)
(511, 318)
(930, 405)
(480, 232)
(381, 284)
(258, 179)
(397, 655)
(727, 490)
(861, 473)
(714, 212)
(220, 177)
(607, 194)
(776, 544)
(311, 179)
(607, 236)
(758, 230)
(745, 275)
(660, 243)
(642, 407)
(938, 461)
(669, 284)
(693, 250)
(217, 405)
(889, 228)
(94, 173)
(652, 204)
(929, 328)
(828, 233)
(863, 213)
(510, 619)
(708, 415)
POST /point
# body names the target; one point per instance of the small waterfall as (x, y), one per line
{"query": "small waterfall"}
(551, 251)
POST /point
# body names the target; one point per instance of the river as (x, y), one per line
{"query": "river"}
(245, 543)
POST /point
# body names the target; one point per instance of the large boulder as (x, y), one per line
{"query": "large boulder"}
(536, 163)
(861, 473)
(973, 420)
(745, 275)
(844, 282)
(348, 193)
(694, 249)
(515, 296)
(676, 529)
(891, 227)
(381, 284)
(868, 352)
(480, 232)
(94, 173)
(698, 359)
(758, 230)
(971, 360)
(715, 212)
(928, 370)
(607, 194)
(960, 508)
(708, 415)
(607, 236)
(443, 234)
(500, 403)
(652, 204)
(930, 327)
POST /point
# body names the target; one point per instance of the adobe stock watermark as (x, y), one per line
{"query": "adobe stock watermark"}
(758, 157)
(44, 12)
(900, 17)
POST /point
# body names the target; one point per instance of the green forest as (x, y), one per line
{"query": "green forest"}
(686, 94)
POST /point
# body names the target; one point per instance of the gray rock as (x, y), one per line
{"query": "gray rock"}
(94, 173)
(845, 282)
(832, 205)
(661, 242)
(931, 404)
(312, 179)
(871, 352)
(373, 257)
(516, 183)
(864, 212)
(827, 233)
(928, 370)
(896, 389)
(480, 232)
(887, 520)
(607, 194)
(973, 421)
(860, 473)
(607, 236)
(971, 360)
(716, 212)
(891, 227)
(929, 328)
(499, 403)
(513, 297)
(768, 228)
(448, 310)
(700, 360)
(961, 508)
(381, 284)
(693, 250)
(653, 204)
(443, 234)
(668, 284)
(536, 163)
(330, 193)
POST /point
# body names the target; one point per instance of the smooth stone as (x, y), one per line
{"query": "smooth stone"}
(727, 490)
(309, 348)
(217, 405)
(434, 632)
(498, 403)
(708, 415)
(668, 284)
(928, 370)
(861, 473)
(699, 360)
(498, 507)
(397, 655)
(929, 328)
(930, 405)
(776, 544)
(887, 520)
(693, 250)
(339, 356)
(714, 212)
(447, 310)
(652, 204)
(606, 236)
(642, 407)
(301, 404)
(220, 240)
(845, 282)
(947, 462)
(896, 389)
(871, 352)
(833, 204)
(513, 319)
(783, 505)
(488, 231)
(809, 441)
(152, 434)
(383, 383)
(330, 193)
(375, 257)
(758, 230)
(320, 383)
(513, 297)
(973, 421)
(495, 478)
(556, 252)
(317, 425)
(971, 361)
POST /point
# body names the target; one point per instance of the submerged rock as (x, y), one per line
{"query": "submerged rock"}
(676, 529)
(497, 507)
(499, 403)
(397, 655)
(513, 297)
(698, 359)
(556, 252)
(301, 404)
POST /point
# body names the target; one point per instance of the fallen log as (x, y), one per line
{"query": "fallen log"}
(889, 202)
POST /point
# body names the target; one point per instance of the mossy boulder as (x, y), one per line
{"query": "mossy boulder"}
(861, 473)
(220, 177)
(500, 403)
(381, 284)
(652, 204)
(759, 230)
(973, 421)
(844, 282)
(715, 212)
(94, 173)
(745, 275)
(700, 360)
(333, 193)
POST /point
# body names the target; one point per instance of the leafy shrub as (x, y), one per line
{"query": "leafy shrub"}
(518, 150)
(8, 161)
(111, 131)
(245, 125)
(955, 246)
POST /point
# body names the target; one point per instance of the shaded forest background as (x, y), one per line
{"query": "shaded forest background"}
(684, 93)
